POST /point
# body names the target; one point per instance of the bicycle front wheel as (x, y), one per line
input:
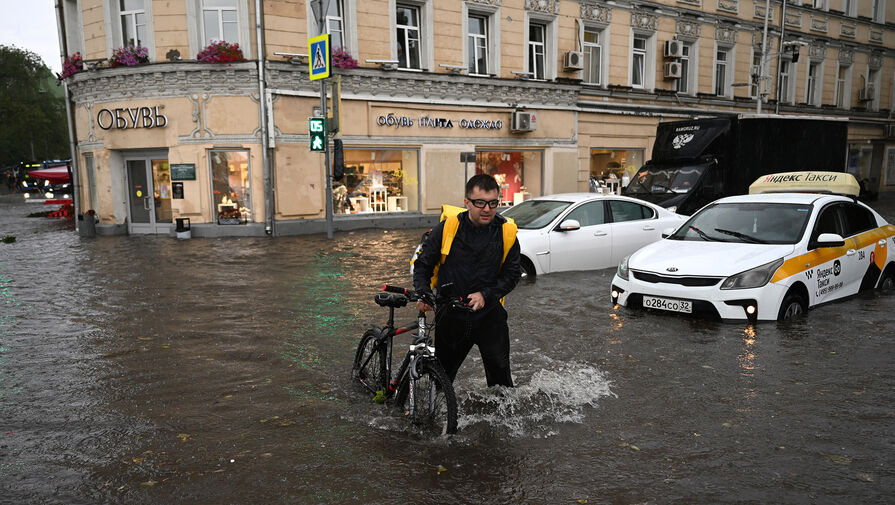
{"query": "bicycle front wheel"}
(432, 404)
(369, 364)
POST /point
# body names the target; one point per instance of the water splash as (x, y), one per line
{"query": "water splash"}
(559, 392)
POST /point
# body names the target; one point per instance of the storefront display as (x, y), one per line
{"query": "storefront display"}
(230, 186)
(518, 173)
(610, 169)
(384, 180)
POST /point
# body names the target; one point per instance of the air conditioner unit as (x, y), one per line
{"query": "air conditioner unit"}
(673, 70)
(890, 130)
(573, 60)
(865, 94)
(674, 49)
(524, 122)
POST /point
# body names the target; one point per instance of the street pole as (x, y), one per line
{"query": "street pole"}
(326, 168)
(764, 55)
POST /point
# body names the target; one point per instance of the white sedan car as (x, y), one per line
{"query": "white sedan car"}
(585, 231)
(765, 256)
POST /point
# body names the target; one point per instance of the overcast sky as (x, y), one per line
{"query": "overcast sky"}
(31, 25)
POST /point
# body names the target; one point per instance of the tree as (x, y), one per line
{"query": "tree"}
(32, 112)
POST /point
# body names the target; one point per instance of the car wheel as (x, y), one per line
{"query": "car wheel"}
(794, 305)
(887, 284)
(528, 270)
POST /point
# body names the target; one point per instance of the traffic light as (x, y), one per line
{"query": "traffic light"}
(317, 133)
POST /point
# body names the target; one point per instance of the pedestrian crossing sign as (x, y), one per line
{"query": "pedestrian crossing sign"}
(319, 60)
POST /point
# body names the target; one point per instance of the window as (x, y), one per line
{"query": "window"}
(537, 34)
(613, 165)
(628, 211)
(589, 214)
(683, 84)
(133, 22)
(518, 173)
(848, 7)
(230, 181)
(638, 61)
(721, 72)
(857, 219)
(879, 11)
(820, 4)
(813, 84)
(335, 26)
(872, 85)
(408, 36)
(477, 27)
(755, 79)
(842, 80)
(220, 21)
(827, 222)
(785, 84)
(384, 180)
(593, 56)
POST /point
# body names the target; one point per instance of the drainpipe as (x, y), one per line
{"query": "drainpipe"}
(780, 57)
(265, 141)
(69, 118)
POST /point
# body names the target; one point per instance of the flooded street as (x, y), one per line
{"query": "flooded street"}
(147, 370)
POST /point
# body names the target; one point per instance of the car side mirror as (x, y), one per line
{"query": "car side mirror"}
(569, 225)
(829, 240)
(667, 232)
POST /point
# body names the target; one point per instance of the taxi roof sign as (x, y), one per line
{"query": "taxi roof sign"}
(319, 57)
(839, 183)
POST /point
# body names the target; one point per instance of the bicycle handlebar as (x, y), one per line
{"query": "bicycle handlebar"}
(456, 302)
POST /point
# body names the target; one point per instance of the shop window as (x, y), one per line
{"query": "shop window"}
(385, 180)
(161, 188)
(231, 192)
(518, 173)
(613, 168)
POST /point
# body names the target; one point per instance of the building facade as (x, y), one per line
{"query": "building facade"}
(543, 94)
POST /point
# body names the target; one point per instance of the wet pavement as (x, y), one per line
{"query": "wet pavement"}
(145, 370)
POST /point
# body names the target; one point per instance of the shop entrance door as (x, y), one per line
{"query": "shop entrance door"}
(149, 196)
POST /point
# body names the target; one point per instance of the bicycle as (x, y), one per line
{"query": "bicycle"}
(421, 388)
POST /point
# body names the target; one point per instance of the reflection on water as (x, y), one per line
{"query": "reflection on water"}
(151, 370)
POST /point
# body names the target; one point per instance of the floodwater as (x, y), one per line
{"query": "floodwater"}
(147, 370)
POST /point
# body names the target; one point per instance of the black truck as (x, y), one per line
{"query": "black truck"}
(697, 161)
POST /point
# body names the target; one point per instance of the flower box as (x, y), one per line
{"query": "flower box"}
(228, 220)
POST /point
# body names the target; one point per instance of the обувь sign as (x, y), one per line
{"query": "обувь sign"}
(123, 118)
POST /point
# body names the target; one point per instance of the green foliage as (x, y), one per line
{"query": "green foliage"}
(32, 112)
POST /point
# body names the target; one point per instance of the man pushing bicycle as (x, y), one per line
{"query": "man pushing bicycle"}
(478, 253)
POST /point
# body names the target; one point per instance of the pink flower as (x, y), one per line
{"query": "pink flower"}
(221, 51)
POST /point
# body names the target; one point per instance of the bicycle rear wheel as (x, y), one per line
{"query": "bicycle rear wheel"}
(434, 401)
(369, 363)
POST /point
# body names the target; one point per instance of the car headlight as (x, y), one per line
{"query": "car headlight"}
(623, 268)
(753, 278)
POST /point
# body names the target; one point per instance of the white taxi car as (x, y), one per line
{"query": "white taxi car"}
(585, 231)
(793, 243)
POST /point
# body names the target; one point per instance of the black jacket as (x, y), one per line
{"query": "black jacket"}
(473, 264)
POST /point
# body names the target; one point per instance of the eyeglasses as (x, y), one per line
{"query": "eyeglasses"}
(480, 204)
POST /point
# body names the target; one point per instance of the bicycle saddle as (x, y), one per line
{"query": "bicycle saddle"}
(390, 300)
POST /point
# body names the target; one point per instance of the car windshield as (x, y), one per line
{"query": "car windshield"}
(533, 214)
(754, 223)
(665, 180)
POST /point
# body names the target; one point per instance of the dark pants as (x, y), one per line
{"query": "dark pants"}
(455, 337)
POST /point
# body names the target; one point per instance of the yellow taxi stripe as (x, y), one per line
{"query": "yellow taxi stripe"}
(802, 262)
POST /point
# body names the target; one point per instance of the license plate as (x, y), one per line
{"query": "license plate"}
(670, 304)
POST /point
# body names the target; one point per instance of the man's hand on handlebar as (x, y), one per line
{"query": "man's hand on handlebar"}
(476, 301)
(423, 306)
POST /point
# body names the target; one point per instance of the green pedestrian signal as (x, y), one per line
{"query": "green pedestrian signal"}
(317, 133)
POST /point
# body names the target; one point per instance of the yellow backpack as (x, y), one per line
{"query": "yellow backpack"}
(449, 215)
